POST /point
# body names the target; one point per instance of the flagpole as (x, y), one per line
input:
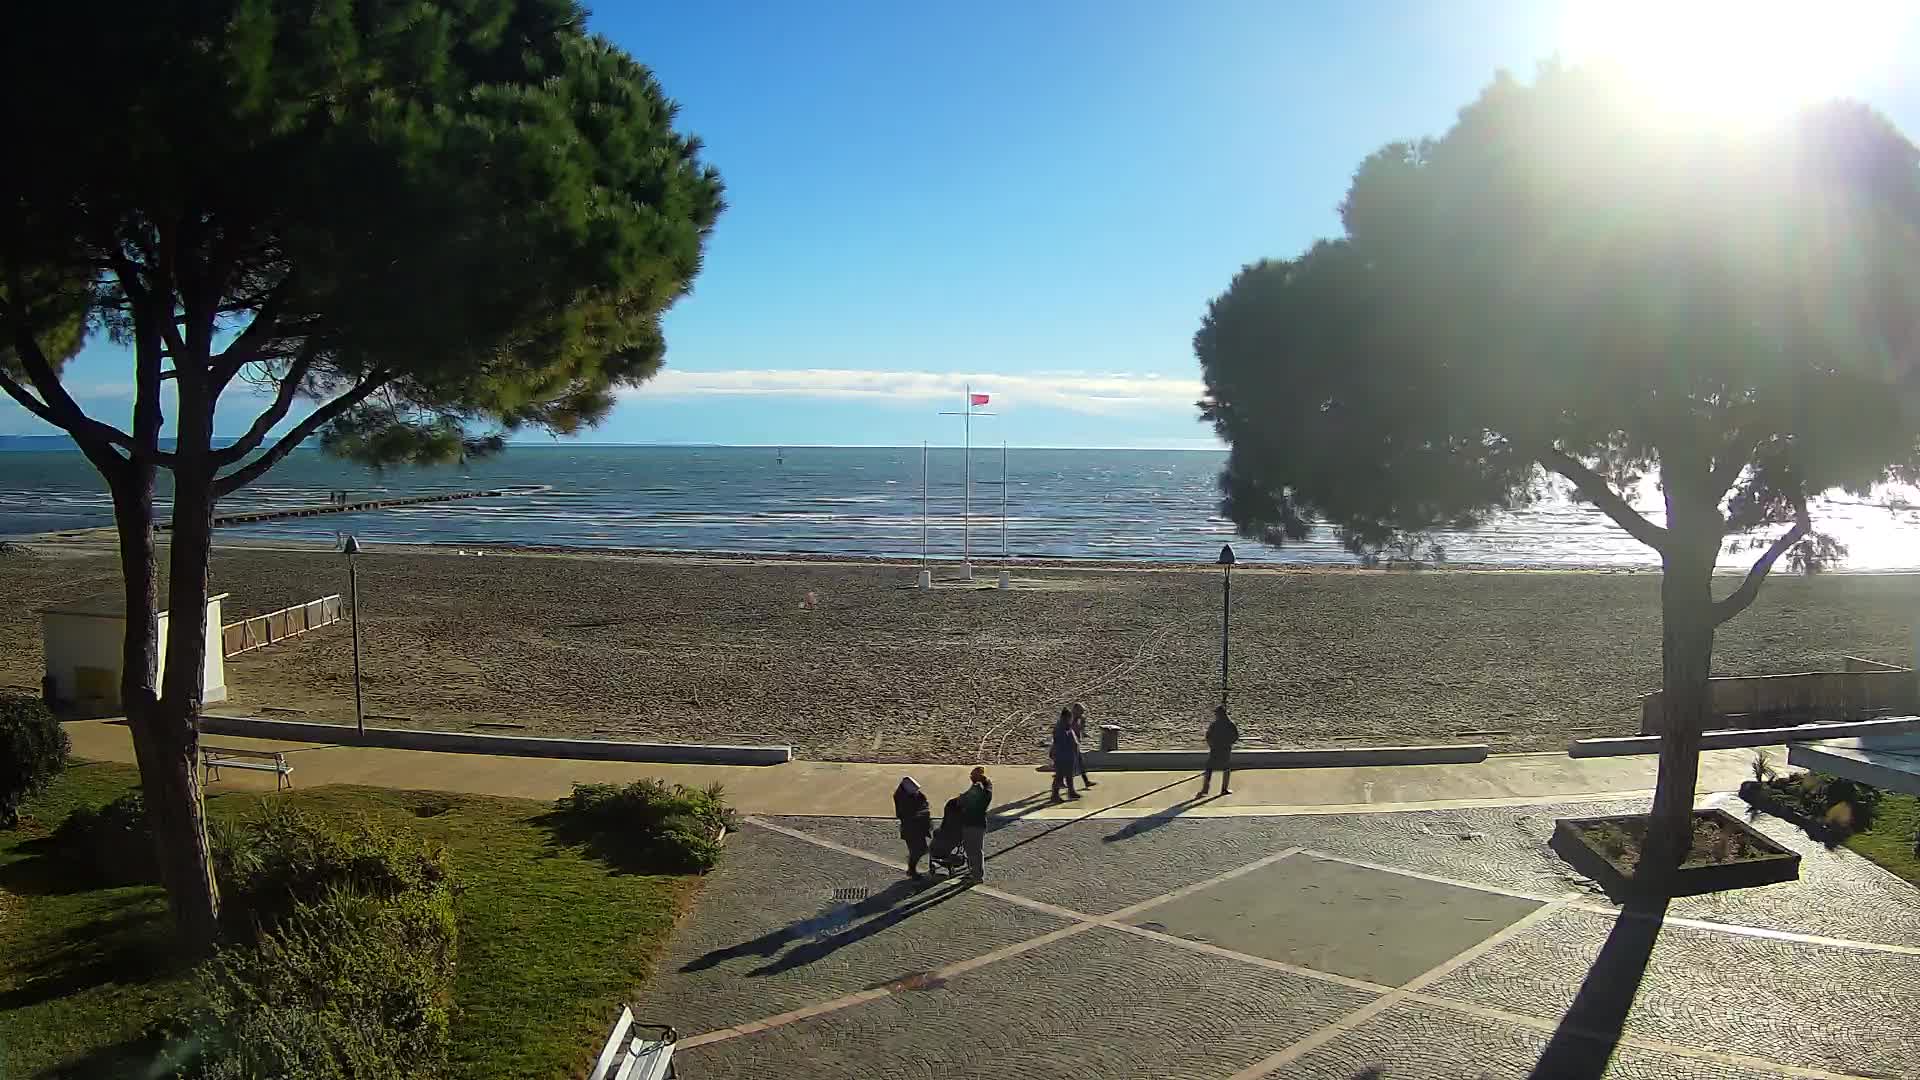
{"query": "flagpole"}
(966, 520)
(1003, 505)
(926, 568)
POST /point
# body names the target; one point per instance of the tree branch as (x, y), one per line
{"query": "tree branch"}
(1597, 491)
(245, 349)
(284, 393)
(56, 406)
(314, 421)
(1741, 598)
(130, 284)
(26, 399)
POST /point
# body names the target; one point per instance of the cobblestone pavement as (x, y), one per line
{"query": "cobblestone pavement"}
(1458, 947)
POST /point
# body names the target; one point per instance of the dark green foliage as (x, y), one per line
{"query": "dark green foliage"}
(343, 964)
(411, 225)
(351, 987)
(1832, 808)
(270, 865)
(33, 750)
(478, 208)
(1563, 286)
(1580, 286)
(111, 845)
(646, 826)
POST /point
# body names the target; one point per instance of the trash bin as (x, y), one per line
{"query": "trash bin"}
(1109, 737)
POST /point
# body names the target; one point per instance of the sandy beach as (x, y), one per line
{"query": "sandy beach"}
(711, 650)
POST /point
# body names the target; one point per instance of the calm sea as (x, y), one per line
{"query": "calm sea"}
(1105, 504)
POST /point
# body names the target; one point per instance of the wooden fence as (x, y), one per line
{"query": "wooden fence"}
(236, 638)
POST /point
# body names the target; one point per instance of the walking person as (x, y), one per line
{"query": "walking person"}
(1221, 735)
(1080, 736)
(1066, 754)
(973, 824)
(916, 821)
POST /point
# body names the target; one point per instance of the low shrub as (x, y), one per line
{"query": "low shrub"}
(350, 987)
(282, 858)
(339, 961)
(1831, 807)
(111, 845)
(33, 750)
(648, 826)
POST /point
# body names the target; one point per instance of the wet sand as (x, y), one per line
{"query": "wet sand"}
(728, 651)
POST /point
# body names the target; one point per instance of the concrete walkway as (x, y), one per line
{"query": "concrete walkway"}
(856, 789)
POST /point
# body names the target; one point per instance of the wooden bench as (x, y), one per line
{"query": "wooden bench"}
(632, 1055)
(215, 758)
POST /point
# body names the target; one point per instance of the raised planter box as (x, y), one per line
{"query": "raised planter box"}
(1777, 864)
(1760, 798)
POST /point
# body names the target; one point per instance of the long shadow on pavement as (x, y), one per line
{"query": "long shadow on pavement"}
(831, 943)
(1091, 813)
(1139, 826)
(1582, 1046)
(890, 905)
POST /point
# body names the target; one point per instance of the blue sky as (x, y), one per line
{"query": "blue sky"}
(1037, 198)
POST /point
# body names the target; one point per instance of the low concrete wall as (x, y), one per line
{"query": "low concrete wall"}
(1736, 738)
(1458, 754)
(1861, 663)
(460, 742)
(1811, 696)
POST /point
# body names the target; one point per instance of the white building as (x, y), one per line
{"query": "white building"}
(83, 644)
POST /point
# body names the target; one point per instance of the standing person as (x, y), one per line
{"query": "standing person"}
(1221, 735)
(1080, 736)
(973, 824)
(916, 821)
(1066, 755)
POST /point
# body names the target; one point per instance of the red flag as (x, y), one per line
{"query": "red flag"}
(976, 399)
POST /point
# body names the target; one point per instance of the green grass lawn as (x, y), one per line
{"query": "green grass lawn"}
(1890, 841)
(551, 941)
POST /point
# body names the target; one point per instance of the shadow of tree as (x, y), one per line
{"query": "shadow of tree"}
(134, 1058)
(132, 945)
(1582, 1046)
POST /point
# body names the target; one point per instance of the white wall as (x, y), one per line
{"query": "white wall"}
(83, 655)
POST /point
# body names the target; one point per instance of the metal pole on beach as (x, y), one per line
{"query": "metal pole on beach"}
(1226, 612)
(966, 523)
(926, 566)
(352, 548)
(1005, 581)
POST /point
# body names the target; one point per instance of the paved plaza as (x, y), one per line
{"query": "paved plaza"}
(1424, 944)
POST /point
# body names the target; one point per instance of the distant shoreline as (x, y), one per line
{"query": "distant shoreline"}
(945, 568)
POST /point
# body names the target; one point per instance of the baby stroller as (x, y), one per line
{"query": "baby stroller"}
(943, 848)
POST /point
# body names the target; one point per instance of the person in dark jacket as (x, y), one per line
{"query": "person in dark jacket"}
(1066, 755)
(1080, 736)
(916, 821)
(1221, 735)
(977, 799)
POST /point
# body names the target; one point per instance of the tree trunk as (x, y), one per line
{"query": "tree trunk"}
(171, 778)
(1686, 659)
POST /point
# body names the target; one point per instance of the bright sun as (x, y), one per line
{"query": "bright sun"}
(1742, 60)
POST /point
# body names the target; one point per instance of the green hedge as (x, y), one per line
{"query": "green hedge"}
(340, 962)
(647, 826)
(33, 750)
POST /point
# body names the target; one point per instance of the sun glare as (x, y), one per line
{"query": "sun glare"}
(1741, 60)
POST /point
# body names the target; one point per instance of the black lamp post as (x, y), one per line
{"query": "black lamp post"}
(351, 547)
(1226, 611)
